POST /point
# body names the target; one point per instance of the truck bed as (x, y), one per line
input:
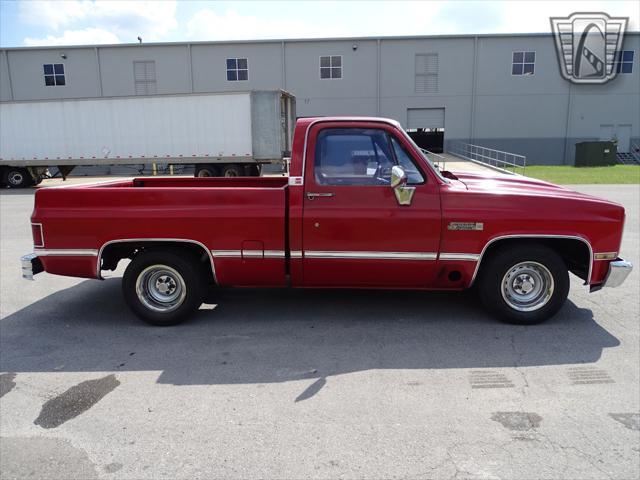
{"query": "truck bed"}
(236, 220)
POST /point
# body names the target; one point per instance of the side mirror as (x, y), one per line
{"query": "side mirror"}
(398, 177)
(403, 193)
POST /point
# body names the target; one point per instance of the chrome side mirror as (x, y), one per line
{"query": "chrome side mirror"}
(398, 176)
(399, 179)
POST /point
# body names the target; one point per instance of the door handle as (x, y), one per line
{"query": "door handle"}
(312, 195)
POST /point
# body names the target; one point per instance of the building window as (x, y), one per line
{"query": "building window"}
(144, 73)
(331, 66)
(54, 74)
(426, 73)
(523, 63)
(237, 69)
(624, 61)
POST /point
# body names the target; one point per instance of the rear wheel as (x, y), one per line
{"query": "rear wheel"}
(16, 177)
(162, 287)
(524, 285)
(203, 171)
(231, 170)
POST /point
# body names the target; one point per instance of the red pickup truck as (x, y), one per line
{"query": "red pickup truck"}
(362, 208)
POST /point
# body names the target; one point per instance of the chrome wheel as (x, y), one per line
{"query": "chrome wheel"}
(204, 173)
(230, 173)
(161, 288)
(527, 286)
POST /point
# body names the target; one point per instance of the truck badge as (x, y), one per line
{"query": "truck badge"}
(465, 226)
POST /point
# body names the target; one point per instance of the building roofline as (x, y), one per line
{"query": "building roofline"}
(293, 40)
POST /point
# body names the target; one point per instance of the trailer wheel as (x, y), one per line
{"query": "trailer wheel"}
(231, 170)
(162, 287)
(203, 171)
(14, 177)
(524, 285)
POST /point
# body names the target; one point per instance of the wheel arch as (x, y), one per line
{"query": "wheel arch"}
(579, 261)
(115, 250)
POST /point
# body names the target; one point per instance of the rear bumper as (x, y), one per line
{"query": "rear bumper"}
(618, 272)
(31, 265)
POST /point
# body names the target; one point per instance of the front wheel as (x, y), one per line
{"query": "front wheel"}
(524, 285)
(163, 288)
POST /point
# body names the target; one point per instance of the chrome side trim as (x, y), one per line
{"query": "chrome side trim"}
(565, 237)
(248, 253)
(273, 254)
(64, 252)
(465, 257)
(295, 254)
(361, 255)
(179, 240)
(226, 253)
(41, 244)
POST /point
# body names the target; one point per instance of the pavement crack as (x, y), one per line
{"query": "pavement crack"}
(517, 363)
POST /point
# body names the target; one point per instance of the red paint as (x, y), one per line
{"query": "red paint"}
(239, 214)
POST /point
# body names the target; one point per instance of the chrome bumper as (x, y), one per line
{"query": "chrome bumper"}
(31, 265)
(618, 272)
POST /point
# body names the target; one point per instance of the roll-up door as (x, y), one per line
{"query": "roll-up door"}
(425, 118)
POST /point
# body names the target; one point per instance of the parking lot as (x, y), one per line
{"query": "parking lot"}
(320, 384)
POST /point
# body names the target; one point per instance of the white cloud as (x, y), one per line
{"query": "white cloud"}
(532, 16)
(88, 36)
(110, 21)
(206, 24)
(115, 21)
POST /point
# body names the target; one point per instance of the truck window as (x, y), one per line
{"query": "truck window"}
(414, 177)
(353, 156)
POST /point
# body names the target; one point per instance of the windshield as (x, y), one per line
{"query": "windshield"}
(424, 155)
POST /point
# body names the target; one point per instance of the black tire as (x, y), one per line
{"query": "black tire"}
(254, 170)
(14, 177)
(507, 275)
(203, 171)
(232, 170)
(161, 265)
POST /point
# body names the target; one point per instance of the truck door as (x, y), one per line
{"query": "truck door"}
(355, 232)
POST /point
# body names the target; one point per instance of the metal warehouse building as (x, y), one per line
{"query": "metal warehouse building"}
(499, 91)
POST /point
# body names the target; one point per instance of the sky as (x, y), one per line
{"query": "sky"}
(80, 22)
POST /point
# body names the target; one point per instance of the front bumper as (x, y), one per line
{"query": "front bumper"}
(618, 272)
(31, 265)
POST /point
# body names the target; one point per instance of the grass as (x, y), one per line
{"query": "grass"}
(574, 175)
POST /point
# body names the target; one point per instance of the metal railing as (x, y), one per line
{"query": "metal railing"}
(498, 159)
(438, 160)
(634, 150)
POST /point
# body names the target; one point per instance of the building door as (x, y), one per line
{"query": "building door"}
(606, 132)
(426, 127)
(623, 132)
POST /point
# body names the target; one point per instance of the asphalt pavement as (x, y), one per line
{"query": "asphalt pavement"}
(314, 384)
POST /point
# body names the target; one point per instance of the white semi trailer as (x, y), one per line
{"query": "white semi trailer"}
(222, 134)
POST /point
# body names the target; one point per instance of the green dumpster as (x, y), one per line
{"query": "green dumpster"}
(593, 154)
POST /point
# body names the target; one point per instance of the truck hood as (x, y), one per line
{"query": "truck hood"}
(518, 185)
